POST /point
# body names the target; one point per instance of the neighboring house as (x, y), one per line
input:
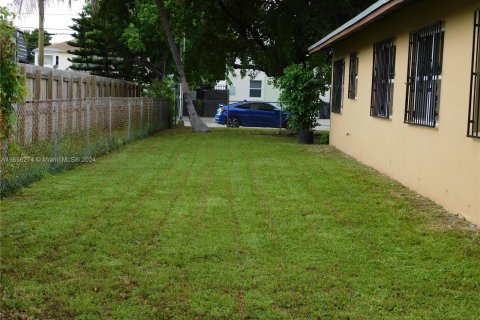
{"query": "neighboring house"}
(19, 39)
(256, 88)
(56, 56)
(406, 96)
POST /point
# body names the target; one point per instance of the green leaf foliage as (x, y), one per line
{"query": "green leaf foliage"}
(205, 53)
(102, 50)
(301, 89)
(31, 41)
(270, 35)
(12, 88)
(265, 35)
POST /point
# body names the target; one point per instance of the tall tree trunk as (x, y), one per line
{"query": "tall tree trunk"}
(41, 31)
(197, 124)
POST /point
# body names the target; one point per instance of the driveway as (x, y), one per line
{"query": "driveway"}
(324, 124)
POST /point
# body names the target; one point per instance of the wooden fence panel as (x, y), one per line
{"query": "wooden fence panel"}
(47, 84)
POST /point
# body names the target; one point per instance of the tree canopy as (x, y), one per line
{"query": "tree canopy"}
(99, 48)
(270, 35)
(266, 35)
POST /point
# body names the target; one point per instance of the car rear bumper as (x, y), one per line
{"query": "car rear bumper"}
(220, 118)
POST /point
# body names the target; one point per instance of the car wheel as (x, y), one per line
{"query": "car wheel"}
(285, 124)
(233, 122)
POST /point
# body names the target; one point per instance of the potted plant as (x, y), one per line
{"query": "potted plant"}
(301, 87)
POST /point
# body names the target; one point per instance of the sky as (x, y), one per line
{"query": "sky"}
(58, 17)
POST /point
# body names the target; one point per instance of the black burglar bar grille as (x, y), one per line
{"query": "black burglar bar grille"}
(424, 75)
(353, 76)
(337, 89)
(383, 78)
(474, 106)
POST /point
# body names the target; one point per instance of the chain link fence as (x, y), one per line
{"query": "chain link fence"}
(54, 135)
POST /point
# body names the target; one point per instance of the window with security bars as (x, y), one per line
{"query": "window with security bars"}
(424, 75)
(353, 76)
(337, 85)
(383, 79)
(474, 106)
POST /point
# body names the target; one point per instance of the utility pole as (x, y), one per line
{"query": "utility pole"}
(180, 122)
(41, 31)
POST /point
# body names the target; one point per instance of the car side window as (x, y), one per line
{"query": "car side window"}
(244, 106)
(266, 107)
(255, 106)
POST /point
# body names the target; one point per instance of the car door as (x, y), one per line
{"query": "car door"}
(267, 115)
(245, 114)
(240, 111)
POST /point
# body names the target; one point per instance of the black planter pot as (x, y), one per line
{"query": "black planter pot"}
(305, 137)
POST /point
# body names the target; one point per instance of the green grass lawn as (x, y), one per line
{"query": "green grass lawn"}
(232, 225)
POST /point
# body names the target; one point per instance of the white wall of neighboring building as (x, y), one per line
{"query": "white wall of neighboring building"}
(64, 64)
(50, 58)
(240, 88)
(56, 55)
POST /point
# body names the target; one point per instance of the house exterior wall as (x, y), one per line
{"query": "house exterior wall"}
(50, 59)
(240, 88)
(440, 163)
(63, 62)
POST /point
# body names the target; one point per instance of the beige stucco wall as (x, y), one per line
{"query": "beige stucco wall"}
(440, 163)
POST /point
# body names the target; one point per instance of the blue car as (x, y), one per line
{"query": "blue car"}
(251, 114)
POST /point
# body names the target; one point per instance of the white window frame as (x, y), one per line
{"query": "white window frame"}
(255, 89)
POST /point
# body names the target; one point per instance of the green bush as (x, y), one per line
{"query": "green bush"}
(322, 137)
(301, 89)
(164, 89)
(12, 82)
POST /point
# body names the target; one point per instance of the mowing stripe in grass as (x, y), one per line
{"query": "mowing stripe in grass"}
(231, 226)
